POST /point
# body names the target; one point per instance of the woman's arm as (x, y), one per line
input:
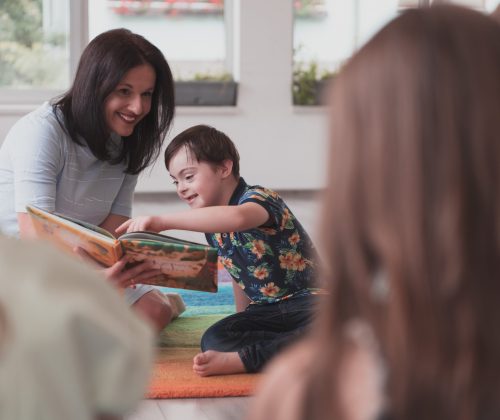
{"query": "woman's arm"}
(26, 228)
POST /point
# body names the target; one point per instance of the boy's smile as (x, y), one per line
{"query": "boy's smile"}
(191, 198)
(199, 184)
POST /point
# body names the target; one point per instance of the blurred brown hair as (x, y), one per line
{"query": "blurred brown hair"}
(413, 205)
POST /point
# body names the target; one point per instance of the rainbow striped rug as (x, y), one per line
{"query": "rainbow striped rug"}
(173, 376)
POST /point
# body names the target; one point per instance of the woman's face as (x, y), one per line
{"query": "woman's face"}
(130, 101)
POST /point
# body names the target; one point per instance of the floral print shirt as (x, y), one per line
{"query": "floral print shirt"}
(271, 262)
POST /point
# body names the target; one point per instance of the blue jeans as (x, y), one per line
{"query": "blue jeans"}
(261, 331)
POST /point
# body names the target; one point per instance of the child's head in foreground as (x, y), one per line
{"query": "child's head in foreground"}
(412, 216)
(203, 162)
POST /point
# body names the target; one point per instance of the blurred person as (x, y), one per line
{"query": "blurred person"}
(411, 221)
(70, 348)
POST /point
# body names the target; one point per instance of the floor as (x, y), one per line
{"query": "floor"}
(305, 206)
(195, 409)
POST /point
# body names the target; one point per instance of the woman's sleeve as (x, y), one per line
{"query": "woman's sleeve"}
(123, 201)
(36, 151)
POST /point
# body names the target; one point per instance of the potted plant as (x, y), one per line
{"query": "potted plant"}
(206, 90)
(309, 85)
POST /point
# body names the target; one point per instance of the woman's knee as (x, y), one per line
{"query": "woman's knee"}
(156, 309)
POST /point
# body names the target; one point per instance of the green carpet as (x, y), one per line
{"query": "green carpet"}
(186, 331)
(173, 375)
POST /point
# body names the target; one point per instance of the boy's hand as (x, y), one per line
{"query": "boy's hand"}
(141, 223)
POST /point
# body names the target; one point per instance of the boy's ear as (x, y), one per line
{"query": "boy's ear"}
(226, 167)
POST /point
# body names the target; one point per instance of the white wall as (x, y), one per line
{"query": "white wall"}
(281, 146)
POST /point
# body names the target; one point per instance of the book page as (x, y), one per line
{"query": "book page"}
(157, 237)
(90, 226)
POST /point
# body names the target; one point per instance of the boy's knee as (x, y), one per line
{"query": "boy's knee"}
(206, 341)
(210, 339)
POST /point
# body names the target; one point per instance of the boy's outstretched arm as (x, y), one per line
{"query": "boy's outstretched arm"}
(207, 219)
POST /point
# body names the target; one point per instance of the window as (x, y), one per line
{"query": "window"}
(39, 53)
(191, 34)
(326, 33)
(34, 44)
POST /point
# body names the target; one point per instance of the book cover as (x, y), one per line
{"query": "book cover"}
(183, 264)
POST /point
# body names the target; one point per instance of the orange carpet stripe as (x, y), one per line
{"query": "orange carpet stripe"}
(173, 377)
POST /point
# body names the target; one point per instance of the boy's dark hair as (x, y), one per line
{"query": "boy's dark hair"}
(102, 65)
(207, 144)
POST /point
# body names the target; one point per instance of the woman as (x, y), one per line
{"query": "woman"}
(81, 154)
(412, 233)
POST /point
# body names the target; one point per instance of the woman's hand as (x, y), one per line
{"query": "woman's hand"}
(122, 276)
(119, 275)
(142, 223)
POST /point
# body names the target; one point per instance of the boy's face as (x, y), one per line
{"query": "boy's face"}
(199, 184)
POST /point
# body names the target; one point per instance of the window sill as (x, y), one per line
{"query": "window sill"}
(205, 93)
(193, 97)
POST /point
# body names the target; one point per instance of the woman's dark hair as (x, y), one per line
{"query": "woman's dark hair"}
(102, 65)
(207, 144)
(412, 218)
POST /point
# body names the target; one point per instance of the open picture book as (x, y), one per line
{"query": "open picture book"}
(183, 264)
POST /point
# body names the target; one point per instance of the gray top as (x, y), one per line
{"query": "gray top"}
(41, 165)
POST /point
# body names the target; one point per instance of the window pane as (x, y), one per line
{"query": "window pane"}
(491, 5)
(34, 49)
(408, 4)
(191, 34)
(475, 4)
(330, 30)
(327, 32)
(482, 5)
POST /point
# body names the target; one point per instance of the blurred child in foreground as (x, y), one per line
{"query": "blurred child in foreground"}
(70, 348)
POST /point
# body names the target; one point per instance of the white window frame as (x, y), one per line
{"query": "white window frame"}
(78, 39)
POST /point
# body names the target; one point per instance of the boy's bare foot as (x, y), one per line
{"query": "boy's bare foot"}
(213, 362)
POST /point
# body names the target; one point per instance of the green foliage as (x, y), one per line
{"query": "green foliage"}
(21, 21)
(210, 77)
(305, 83)
(309, 8)
(27, 58)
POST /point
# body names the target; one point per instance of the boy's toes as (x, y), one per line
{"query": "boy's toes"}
(200, 359)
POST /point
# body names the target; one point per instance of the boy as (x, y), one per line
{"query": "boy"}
(261, 244)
